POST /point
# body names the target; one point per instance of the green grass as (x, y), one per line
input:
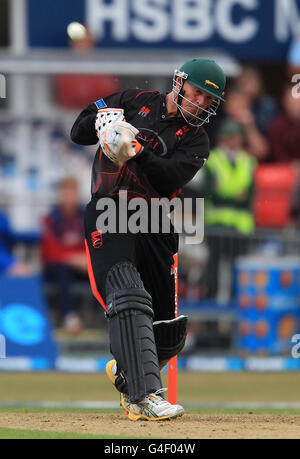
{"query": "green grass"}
(21, 434)
(192, 387)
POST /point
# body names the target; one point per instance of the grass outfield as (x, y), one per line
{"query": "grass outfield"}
(22, 434)
(192, 387)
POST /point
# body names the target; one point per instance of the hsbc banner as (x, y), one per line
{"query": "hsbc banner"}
(247, 29)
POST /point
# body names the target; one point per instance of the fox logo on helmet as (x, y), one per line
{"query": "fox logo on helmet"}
(212, 84)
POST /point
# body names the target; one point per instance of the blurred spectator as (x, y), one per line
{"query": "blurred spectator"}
(295, 207)
(238, 108)
(228, 181)
(9, 264)
(75, 91)
(284, 132)
(228, 184)
(192, 262)
(263, 107)
(63, 251)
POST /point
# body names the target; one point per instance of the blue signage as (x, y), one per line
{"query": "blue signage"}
(247, 29)
(23, 324)
(24, 320)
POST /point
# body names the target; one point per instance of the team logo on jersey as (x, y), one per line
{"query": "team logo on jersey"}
(181, 132)
(156, 142)
(97, 239)
(144, 111)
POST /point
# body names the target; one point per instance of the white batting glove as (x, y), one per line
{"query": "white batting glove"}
(106, 117)
(118, 142)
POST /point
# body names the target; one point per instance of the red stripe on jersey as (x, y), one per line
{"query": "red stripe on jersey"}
(142, 92)
(177, 193)
(92, 277)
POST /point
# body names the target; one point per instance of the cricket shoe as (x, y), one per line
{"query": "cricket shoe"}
(152, 408)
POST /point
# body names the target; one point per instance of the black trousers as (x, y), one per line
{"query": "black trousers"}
(64, 277)
(151, 253)
(228, 247)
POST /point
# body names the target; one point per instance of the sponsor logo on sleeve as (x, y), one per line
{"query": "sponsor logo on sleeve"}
(100, 103)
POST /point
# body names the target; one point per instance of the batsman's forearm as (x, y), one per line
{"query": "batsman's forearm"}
(168, 175)
(83, 131)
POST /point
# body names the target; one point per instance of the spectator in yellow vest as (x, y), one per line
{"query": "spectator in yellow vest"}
(228, 189)
(229, 181)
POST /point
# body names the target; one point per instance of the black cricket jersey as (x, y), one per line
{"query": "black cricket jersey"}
(173, 151)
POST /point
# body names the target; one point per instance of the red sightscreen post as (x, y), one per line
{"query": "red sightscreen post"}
(172, 366)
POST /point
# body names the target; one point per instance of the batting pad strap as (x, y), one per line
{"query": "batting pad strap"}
(170, 336)
(125, 290)
(134, 299)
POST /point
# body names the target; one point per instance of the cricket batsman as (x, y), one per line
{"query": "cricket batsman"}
(151, 145)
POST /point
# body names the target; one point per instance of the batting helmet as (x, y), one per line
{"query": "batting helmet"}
(205, 74)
